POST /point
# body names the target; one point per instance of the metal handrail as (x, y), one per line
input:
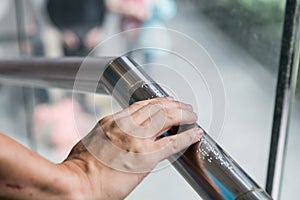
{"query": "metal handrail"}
(205, 165)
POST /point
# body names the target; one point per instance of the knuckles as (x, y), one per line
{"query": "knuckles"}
(116, 131)
(105, 120)
(138, 146)
(124, 132)
(174, 144)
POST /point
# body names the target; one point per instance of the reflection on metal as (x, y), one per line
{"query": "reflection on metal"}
(285, 92)
(206, 167)
(47, 72)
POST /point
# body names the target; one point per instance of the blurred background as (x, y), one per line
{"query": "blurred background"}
(243, 37)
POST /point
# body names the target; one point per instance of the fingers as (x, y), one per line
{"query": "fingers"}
(163, 121)
(130, 136)
(156, 101)
(164, 105)
(160, 119)
(152, 118)
(173, 144)
(133, 108)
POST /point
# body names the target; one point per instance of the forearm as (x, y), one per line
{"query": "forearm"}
(26, 175)
(106, 164)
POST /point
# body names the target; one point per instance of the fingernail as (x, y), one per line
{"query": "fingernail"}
(200, 131)
(198, 134)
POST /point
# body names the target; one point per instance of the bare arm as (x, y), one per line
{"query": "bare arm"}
(108, 163)
(26, 175)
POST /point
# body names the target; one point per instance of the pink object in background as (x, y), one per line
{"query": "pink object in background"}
(59, 123)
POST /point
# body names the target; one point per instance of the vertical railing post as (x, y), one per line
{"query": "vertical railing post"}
(285, 91)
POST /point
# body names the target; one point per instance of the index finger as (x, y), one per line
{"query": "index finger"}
(140, 104)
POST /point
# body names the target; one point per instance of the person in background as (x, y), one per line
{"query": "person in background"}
(137, 16)
(80, 23)
(161, 11)
(132, 15)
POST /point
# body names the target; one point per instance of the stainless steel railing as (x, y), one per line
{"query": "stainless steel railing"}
(205, 166)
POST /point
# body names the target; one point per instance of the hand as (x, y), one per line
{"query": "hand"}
(70, 39)
(123, 148)
(139, 11)
(128, 8)
(92, 38)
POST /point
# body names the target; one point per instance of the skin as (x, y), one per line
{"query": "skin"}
(128, 8)
(70, 39)
(91, 39)
(106, 164)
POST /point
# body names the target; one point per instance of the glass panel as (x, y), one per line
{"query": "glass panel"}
(242, 37)
(291, 174)
(12, 113)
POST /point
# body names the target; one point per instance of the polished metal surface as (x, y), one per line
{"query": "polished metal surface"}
(207, 168)
(50, 72)
(205, 165)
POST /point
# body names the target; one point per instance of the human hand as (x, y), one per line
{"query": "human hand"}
(123, 148)
(137, 10)
(129, 8)
(92, 38)
(70, 39)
